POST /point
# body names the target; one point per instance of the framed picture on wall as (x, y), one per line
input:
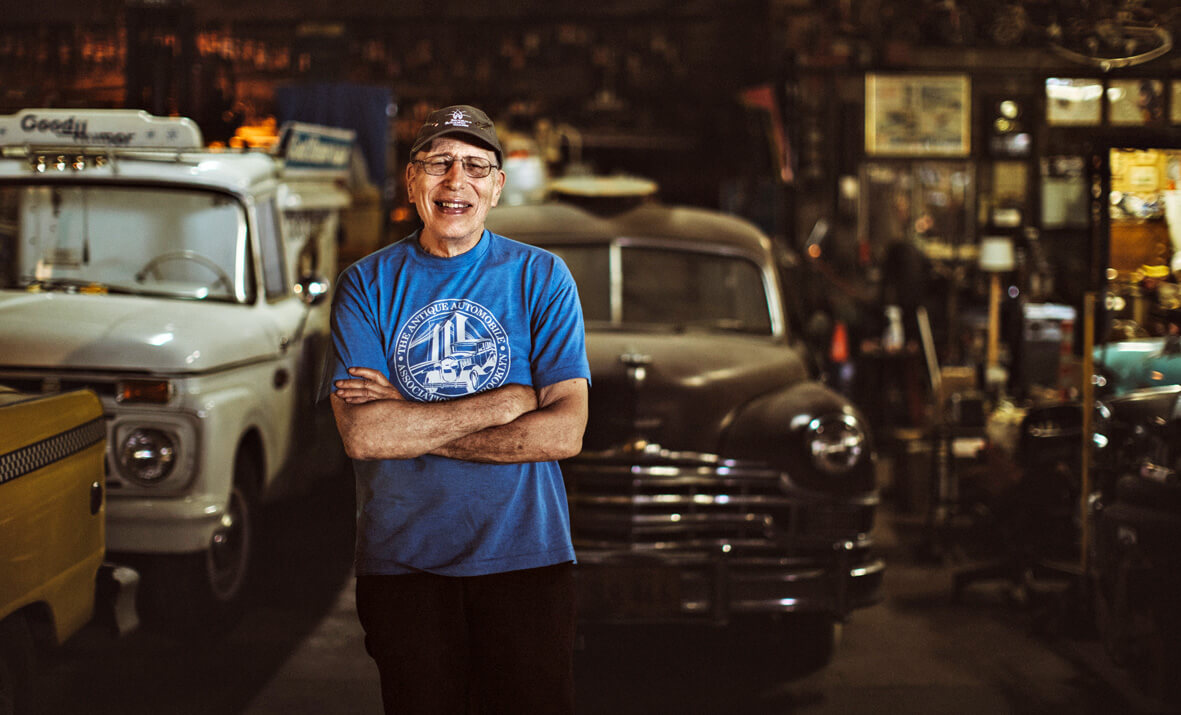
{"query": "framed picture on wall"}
(1175, 101)
(1136, 102)
(1074, 101)
(917, 115)
(1064, 192)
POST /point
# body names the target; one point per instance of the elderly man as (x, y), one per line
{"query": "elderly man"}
(460, 378)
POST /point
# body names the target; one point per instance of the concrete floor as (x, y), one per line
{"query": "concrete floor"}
(300, 652)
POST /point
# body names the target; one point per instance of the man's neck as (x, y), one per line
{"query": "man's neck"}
(448, 247)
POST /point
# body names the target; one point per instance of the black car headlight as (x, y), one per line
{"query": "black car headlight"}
(836, 443)
(1101, 426)
(147, 455)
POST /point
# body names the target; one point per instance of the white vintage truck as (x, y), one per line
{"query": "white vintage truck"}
(189, 289)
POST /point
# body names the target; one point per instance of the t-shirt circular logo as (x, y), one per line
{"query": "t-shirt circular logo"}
(451, 348)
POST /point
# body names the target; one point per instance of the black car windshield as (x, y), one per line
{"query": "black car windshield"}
(668, 287)
(173, 243)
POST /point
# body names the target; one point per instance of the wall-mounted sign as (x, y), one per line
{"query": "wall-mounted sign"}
(1074, 101)
(917, 115)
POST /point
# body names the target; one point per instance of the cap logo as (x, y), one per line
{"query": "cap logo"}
(458, 119)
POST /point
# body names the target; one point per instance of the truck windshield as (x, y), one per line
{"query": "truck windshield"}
(173, 243)
(668, 287)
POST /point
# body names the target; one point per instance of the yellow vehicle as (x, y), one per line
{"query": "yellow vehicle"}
(52, 527)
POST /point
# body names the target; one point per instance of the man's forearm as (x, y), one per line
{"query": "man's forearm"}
(519, 441)
(551, 432)
(400, 429)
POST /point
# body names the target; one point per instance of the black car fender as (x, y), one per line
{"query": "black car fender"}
(775, 428)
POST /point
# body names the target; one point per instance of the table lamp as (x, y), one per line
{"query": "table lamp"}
(996, 257)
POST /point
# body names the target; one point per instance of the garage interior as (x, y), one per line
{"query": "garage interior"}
(966, 197)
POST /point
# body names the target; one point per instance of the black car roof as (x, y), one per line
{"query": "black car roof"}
(563, 222)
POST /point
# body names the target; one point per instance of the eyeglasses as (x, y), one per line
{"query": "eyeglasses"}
(439, 165)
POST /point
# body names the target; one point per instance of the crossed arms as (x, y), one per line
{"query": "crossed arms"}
(510, 424)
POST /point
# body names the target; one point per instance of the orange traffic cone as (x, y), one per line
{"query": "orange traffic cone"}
(839, 350)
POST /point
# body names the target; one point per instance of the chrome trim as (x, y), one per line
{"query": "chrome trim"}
(642, 451)
(714, 588)
(615, 266)
(1157, 473)
(659, 467)
(642, 498)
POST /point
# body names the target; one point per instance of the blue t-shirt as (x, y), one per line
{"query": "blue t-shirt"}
(440, 328)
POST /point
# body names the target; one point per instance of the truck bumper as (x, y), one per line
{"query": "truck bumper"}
(182, 525)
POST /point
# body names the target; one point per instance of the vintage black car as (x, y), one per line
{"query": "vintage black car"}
(1135, 511)
(718, 480)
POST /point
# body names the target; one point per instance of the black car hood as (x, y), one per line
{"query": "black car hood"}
(678, 390)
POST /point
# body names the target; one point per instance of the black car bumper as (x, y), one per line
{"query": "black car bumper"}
(618, 587)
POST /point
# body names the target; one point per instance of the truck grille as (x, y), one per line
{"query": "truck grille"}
(50, 383)
(659, 500)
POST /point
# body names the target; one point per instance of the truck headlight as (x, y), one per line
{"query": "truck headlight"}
(836, 443)
(147, 456)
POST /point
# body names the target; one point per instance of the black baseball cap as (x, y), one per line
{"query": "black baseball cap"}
(458, 119)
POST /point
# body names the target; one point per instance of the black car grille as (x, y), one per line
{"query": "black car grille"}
(657, 500)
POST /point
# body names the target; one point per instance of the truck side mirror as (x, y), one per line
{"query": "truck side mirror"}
(312, 288)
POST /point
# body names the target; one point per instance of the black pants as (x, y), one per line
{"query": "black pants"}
(502, 643)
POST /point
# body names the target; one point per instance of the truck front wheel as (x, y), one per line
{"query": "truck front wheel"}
(202, 594)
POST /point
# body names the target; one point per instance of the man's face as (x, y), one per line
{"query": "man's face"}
(452, 206)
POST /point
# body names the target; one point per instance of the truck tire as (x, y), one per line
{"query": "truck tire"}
(202, 594)
(16, 665)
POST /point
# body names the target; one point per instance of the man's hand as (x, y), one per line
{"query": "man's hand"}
(367, 385)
